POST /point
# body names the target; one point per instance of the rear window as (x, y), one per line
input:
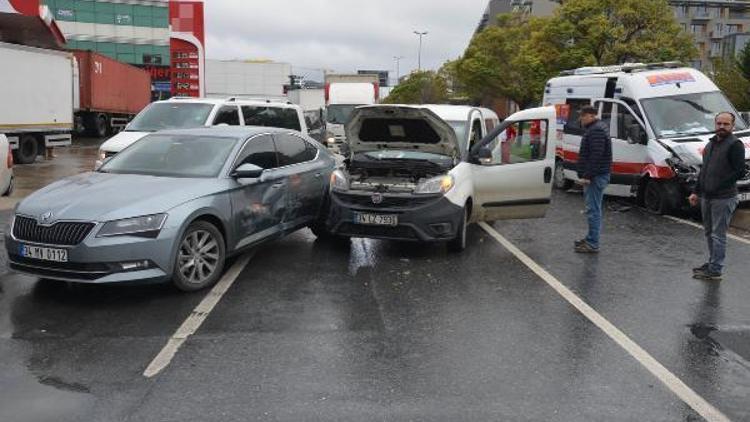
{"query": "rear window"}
(398, 130)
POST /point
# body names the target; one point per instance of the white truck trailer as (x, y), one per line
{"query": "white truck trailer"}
(37, 99)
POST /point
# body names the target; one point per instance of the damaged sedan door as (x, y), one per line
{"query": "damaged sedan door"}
(512, 167)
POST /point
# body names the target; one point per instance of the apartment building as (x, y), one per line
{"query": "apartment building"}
(528, 7)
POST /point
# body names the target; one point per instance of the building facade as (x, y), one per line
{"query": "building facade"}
(528, 7)
(714, 25)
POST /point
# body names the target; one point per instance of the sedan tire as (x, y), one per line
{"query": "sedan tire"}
(200, 257)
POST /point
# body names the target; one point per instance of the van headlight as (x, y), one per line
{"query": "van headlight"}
(439, 184)
(339, 181)
(102, 155)
(144, 226)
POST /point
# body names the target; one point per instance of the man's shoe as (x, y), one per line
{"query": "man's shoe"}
(586, 248)
(579, 242)
(708, 275)
(702, 269)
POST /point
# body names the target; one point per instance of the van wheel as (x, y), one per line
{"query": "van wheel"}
(458, 243)
(200, 256)
(655, 198)
(28, 149)
(559, 180)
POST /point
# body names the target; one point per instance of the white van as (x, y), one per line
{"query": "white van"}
(661, 116)
(341, 99)
(423, 172)
(183, 112)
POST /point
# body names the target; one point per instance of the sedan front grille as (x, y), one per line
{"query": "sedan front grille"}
(62, 233)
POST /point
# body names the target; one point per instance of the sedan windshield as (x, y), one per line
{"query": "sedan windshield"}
(690, 114)
(173, 156)
(170, 115)
(340, 113)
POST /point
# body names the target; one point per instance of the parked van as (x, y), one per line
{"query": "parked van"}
(661, 116)
(424, 172)
(341, 99)
(182, 112)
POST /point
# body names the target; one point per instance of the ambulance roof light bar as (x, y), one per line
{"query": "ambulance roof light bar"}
(625, 67)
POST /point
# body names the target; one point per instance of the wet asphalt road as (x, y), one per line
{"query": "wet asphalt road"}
(375, 330)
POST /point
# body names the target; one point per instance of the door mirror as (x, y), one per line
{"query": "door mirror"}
(636, 134)
(247, 171)
(483, 155)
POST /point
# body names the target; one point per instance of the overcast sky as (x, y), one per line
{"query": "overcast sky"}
(341, 35)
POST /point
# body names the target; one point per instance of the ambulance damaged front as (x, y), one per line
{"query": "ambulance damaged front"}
(683, 126)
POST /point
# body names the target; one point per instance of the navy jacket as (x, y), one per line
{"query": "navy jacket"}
(595, 154)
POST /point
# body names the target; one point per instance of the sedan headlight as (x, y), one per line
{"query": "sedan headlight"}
(144, 226)
(439, 184)
(339, 181)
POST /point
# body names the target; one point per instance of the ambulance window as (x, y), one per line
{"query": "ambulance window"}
(624, 120)
(633, 106)
(573, 126)
(607, 114)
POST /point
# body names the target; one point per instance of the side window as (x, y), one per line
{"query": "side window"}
(285, 118)
(606, 117)
(227, 115)
(573, 126)
(520, 142)
(293, 150)
(476, 133)
(259, 151)
(627, 125)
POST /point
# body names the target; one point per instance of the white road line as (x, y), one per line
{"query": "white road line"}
(196, 318)
(685, 393)
(690, 223)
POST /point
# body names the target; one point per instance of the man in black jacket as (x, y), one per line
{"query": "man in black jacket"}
(594, 163)
(723, 165)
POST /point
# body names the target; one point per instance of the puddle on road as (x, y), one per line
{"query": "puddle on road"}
(735, 339)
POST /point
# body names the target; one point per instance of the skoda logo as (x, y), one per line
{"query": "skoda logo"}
(46, 217)
(377, 198)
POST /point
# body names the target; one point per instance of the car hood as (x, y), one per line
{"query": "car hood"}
(123, 139)
(103, 196)
(690, 148)
(445, 142)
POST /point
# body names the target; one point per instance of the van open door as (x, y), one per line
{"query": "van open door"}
(512, 167)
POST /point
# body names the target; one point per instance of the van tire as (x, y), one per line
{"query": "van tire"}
(458, 243)
(28, 149)
(656, 197)
(559, 181)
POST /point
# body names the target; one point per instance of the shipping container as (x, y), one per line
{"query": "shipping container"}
(111, 93)
(36, 99)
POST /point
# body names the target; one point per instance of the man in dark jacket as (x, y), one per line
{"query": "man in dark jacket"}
(594, 163)
(723, 165)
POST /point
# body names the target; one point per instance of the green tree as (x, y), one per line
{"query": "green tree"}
(602, 32)
(743, 61)
(422, 87)
(729, 77)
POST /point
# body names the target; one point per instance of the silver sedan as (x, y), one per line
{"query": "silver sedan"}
(173, 206)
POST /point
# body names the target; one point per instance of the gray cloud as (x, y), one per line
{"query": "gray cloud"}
(342, 35)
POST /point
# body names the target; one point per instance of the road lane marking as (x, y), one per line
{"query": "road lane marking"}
(196, 318)
(690, 223)
(671, 381)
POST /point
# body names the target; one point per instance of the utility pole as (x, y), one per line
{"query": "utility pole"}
(420, 35)
(398, 74)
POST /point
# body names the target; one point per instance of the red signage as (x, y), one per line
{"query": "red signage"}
(187, 47)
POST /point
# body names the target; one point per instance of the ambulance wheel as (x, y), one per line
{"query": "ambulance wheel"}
(655, 197)
(559, 181)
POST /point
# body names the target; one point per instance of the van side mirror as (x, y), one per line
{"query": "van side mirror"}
(247, 171)
(636, 134)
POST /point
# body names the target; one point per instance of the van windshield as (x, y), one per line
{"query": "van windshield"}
(340, 113)
(689, 114)
(170, 115)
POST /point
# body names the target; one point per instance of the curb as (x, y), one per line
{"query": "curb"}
(741, 220)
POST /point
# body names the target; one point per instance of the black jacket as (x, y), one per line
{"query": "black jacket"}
(595, 154)
(723, 165)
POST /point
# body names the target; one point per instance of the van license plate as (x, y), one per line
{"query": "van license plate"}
(45, 254)
(744, 196)
(376, 219)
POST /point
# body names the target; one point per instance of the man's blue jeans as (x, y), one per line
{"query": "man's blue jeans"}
(593, 195)
(717, 213)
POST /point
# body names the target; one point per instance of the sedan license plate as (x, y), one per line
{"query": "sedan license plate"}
(744, 197)
(376, 219)
(45, 254)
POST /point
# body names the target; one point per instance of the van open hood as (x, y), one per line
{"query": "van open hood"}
(400, 127)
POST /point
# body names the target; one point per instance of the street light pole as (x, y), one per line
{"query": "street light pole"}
(398, 74)
(420, 35)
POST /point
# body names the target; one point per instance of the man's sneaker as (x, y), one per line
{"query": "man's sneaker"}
(579, 242)
(708, 275)
(702, 269)
(586, 248)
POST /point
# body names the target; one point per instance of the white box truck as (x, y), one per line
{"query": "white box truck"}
(37, 97)
(343, 93)
(661, 116)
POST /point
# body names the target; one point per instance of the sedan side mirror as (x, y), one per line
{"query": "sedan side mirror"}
(247, 171)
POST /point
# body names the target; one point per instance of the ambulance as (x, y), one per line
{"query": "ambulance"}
(660, 115)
